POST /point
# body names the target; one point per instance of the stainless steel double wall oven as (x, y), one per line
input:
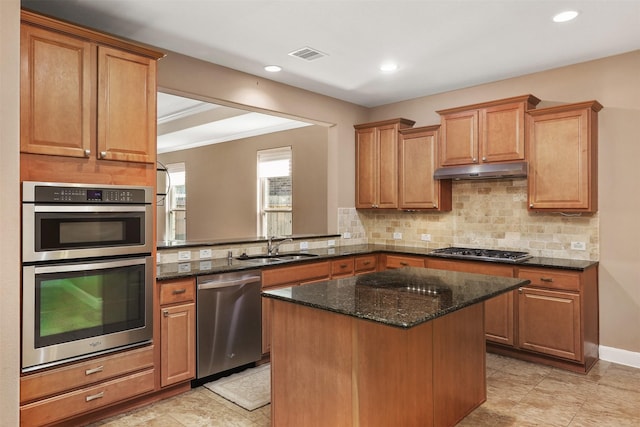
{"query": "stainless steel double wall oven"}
(87, 273)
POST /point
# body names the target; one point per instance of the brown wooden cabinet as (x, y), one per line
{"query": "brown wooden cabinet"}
(499, 311)
(557, 314)
(53, 395)
(563, 160)
(84, 94)
(342, 267)
(177, 331)
(365, 264)
(282, 277)
(418, 159)
(485, 133)
(377, 163)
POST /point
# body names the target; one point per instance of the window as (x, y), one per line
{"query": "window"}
(177, 202)
(275, 192)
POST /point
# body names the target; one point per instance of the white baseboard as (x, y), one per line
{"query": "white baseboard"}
(623, 357)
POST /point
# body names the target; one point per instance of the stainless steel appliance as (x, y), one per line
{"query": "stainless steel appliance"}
(482, 254)
(87, 271)
(229, 318)
(62, 221)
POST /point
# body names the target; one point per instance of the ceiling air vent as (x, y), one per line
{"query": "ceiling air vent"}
(307, 53)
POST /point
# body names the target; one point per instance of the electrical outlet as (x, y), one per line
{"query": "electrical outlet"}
(331, 243)
(346, 235)
(304, 246)
(205, 253)
(184, 255)
(426, 237)
(578, 246)
(397, 236)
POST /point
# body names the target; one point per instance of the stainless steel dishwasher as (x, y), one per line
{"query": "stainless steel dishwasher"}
(229, 318)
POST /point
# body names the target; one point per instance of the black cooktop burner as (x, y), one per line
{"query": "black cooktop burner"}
(486, 254)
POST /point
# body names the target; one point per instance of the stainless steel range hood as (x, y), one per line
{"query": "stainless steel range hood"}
(483, 171)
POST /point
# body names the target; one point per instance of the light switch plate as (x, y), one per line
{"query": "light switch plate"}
(578, 246)
(331, 243)
(304, 246)
(184, 255)
(397, 236)
(346, 235)
(205, 253)
(426, 237)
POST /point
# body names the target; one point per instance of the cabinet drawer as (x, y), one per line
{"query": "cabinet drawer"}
(88, 399)
(47, 383)
(342, 268)
(393, 261)
(175, 291)
(551, 279)
(296, 274)
(365, 264)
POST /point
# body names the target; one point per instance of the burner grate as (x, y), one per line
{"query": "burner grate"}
(486, 254)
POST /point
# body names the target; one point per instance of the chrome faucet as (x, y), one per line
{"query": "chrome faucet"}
(272, 248)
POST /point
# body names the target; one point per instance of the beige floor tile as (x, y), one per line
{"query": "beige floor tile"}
(519, 394)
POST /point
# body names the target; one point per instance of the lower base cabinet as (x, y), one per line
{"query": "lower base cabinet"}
(177, 331)
(61, 393)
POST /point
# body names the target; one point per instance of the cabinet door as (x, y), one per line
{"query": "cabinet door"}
(499, 311)
(126, 106)
(388, 166)
(563, 160)
(399, 261)
(177, 341)
(417, 162)
(366, 168)
(503, 130)
(549, 322)
(459, 139)
(56, 91)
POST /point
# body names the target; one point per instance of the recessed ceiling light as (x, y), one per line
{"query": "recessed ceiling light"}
(273, 68)
(565, 16)
(388, 67)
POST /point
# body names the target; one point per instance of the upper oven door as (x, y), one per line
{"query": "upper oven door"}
(56, 232)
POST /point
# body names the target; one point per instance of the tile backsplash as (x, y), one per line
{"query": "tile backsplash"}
(489, 214)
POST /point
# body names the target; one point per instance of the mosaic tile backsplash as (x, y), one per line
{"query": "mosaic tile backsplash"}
(490, 214)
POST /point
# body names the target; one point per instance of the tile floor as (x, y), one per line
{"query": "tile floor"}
(519, 394)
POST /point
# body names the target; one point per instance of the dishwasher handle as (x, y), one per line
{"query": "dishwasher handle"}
(217, 284)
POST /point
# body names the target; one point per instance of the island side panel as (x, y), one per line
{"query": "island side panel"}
(393, 375)
(459, 370)
(311, 365)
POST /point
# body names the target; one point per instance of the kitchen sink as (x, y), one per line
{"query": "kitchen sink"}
(271, 259)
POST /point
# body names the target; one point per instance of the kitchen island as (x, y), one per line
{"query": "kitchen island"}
(400, 347)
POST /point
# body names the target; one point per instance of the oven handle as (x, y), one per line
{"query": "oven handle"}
(78, 266)
(89, 208)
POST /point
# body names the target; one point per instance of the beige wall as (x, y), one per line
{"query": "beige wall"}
(193, 78)
(615, 83)
(9, 212)
(221, 184)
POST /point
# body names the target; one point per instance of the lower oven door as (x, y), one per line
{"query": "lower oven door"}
(80, 309)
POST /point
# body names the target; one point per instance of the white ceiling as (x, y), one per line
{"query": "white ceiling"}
(439, 45)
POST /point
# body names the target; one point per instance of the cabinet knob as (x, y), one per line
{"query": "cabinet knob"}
(531, 205)
(165, 313)
(475, 160)
(103, 154)
(519, 290)
(484, 159)
(87, 153)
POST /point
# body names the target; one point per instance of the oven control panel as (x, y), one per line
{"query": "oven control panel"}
(85, 194)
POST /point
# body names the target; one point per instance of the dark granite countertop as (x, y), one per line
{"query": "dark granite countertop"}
(401, 298)
(221, 265)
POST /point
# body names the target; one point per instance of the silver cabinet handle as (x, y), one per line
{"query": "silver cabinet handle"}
(519, 290)
(546, 279)
(87, 153)
(94, 397)
(94, 370)
(103, 154)
(179, 291)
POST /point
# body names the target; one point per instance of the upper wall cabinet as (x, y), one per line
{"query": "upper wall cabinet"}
(418, 159)
(484, 133)
(85, 94)
(377, 163)
(563, 158)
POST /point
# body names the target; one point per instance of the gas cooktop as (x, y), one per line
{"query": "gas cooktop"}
(482, 254)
